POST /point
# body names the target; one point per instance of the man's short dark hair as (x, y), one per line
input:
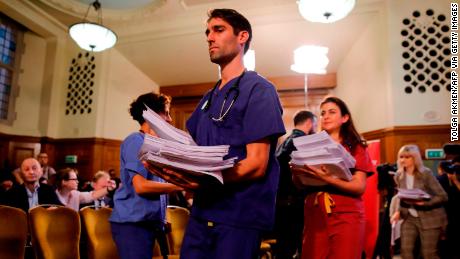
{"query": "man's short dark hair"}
(236, 20)
(302, 116)
(452, 149)
(156, 102)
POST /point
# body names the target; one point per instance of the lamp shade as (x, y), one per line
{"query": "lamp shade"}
(310, 59)
(92, 36)
(325, 11)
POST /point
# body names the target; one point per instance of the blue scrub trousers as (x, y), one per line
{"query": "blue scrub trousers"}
(135, 240)
(207, 240)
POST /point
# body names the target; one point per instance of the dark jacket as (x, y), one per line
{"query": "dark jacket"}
(17, 197)
(286, 188)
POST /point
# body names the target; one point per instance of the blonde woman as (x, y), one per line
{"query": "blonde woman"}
(423, 219)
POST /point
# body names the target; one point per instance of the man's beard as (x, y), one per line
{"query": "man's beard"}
(221, 59)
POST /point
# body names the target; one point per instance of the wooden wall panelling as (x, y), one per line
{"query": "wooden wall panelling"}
(293, 101)
(181, 109)
(297, 82)
(392, 139)
(110, 152)
(18, 151)
(290, 89)
(18, 148)
(93, 153)
(82, 148)
(50, 149)
(4, 162)
(281, 83)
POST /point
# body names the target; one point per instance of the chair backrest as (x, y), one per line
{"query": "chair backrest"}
(178, 217)
(55, 232)
(98, 233)
(13, 232)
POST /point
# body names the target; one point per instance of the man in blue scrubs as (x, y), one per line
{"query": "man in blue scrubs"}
(243, 111)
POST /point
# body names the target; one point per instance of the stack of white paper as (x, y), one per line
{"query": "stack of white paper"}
(318, 150)
(165, 130)
(175, 149)
(413, 194)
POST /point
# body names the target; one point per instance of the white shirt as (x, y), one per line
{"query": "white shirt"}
(410, 185)
(75, 198)
(33, 196)
(99, 203)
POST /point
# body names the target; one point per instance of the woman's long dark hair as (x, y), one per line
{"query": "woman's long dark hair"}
(348, 133)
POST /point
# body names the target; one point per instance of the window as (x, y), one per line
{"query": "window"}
(11, 34)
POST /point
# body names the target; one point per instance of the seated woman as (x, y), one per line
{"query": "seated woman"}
(423, 219)
(67, 184)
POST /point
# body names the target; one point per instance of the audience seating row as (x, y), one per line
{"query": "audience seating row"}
(55, 232)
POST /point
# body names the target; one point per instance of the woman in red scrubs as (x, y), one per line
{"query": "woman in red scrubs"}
(334, 213)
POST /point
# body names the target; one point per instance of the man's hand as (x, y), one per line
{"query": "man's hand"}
(172, 176)
(111, 185)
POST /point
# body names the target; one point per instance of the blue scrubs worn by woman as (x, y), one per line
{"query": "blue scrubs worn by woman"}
(138, 215)
(243, 111)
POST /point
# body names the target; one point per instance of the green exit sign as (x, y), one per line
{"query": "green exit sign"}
(434, 153)
(71, 159)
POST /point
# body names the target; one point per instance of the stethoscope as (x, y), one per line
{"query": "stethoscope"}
(235, 87)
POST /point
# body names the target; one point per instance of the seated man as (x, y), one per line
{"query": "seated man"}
(48, 172)
(31, 193)
(101, 180)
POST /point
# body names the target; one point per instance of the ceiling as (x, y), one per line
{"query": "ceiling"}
(165, 38)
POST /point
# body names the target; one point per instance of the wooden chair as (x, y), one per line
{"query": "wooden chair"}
(100, 244)
(13, 232)
(178, 217)
(55, 232)
(265, 250)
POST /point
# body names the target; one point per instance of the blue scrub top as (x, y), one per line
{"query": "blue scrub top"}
(128, 205)
(256, 114)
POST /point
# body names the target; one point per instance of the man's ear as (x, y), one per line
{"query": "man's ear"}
(308, 126)
(243, 37)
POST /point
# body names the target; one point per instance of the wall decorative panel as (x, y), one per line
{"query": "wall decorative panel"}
(80, 88)
(426, 43)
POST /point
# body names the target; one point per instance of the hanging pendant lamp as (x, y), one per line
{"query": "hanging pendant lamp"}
(93, 36)
(325, 11)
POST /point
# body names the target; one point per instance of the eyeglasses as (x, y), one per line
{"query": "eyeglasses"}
(72, 179)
